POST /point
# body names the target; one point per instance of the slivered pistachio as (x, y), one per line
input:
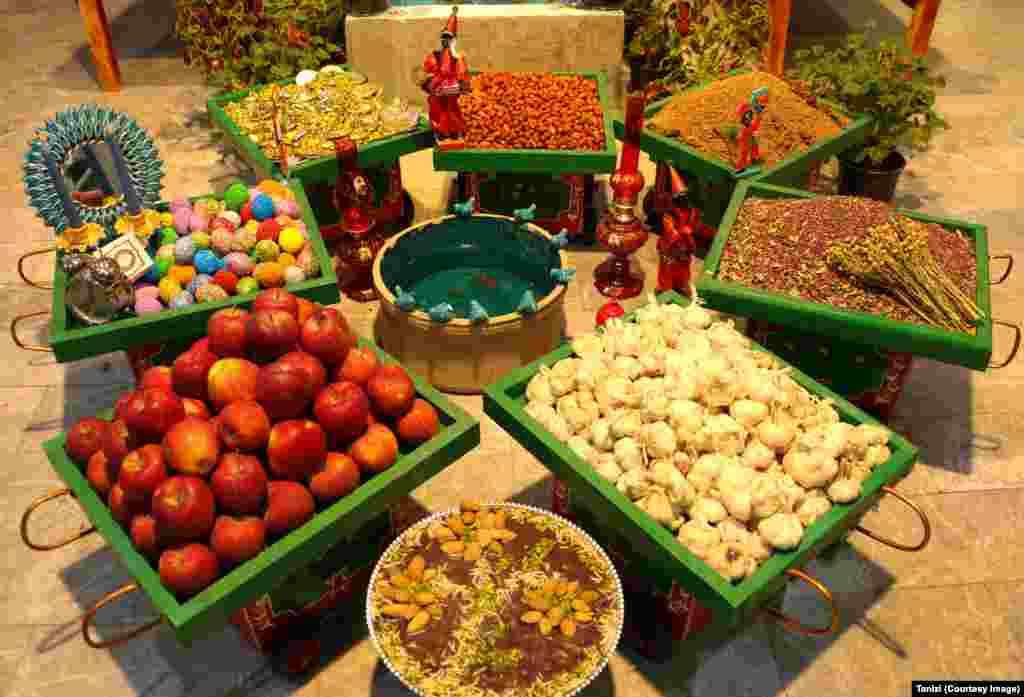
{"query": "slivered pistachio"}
(419, 621)
(454, 547)
(473, 552)
(532, 617)
(568, 627)
(416, 567)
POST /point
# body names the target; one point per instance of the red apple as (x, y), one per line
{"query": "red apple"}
(100, 473)
(419, 424)
(151, 412)
(190, 371)
(391, 391)
(337, 477)
(226, 331)
(187, 570)
(243, 426)
(196, 408)
(239, 484)
(327, 336)
(237, 540)
(271, 334)
(289, 506)
(85, 438)
(124, 507)
(145, 536)
(306, 309)
(284, 391)
(375, 450)
(202, 345)
(316, 373)
(192, 446)
(142, 471)
(276, 299)
(158, 376)
(118, 441)
(342, 408)
(296, 449)
(232, 380)
(184, 508)
(359, 366)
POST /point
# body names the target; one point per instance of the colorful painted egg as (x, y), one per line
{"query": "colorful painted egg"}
(285, 259)
(236, 196)
(165, 251)
(180, 202)
(289, 207)
(182, 299)
(181, 218)
(308, 262)
(201, 207)
(146, 291)
(291, 240)
(234, 217)
(148, 306)
(182, 274)
(239, 264)
(184, 250)
(198, 282)
(226, 280)
(211, 292)
(222, 222)
(207, 262)
(169, 288)
(293, 274)
(267, 250)
(269, 230)
(262, 207)
(247, 286)
(168, 235)
(197, 222)
(201, 240)
(221, 241)
(270, 274)
(245, 239)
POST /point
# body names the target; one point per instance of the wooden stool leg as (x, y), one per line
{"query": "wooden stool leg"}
(920, 31)
(103, 55)
(779, 12)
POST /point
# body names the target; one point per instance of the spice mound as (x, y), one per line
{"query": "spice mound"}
(705, 433)
(785, 246)
(533, 111)
(495, 601)
(701, 118)
(334, 105)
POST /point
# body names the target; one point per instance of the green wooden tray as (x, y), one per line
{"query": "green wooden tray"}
(504, 402)
(322, 169)
(209, 610)
(72, 340)
(539, 161)
(719, 178)
(859, 328)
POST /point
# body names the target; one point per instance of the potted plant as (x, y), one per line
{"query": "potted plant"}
(650, 25)
(887, 83)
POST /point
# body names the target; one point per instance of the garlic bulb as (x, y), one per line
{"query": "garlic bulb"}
(748, 413)
(757, 549)
(782, 531)
(686, 414)
(815, 505)
(588, 346)
(708, 509)
(581, 447)
(680, 493)
(738, 503)
(569, 409)
(682, 386)
(629, 454)
(657, 505)
(766, 496)
(726, 436)
(705, 470)
(844, 490)
(775, 435)
(659, 439)
(723, 334)
(627, 367)
(792, 492)
(734, 476)
(732, 530)
(562, 378)
(729, 560)
(601, 434)
(836, 437)
(694, 345)
(590, 373)
(652, 363)
(811, 470)
(634, 483)
(605, 465)
(627, 424)
(616, 392)
(539, 388)
(696, 317)
(656, 405)
(698, 537)
(876, 455)
(758, 455)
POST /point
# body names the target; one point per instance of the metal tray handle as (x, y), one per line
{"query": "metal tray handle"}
(55, 494)
(797, 626)
(90, 615)
(1013, 351)
(21, 344)
(45, 286)
(1006, 273)
(925, 524)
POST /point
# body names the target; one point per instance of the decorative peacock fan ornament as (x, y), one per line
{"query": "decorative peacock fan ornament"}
(74, 137)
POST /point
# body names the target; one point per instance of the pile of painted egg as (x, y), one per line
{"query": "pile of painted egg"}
(249, 240)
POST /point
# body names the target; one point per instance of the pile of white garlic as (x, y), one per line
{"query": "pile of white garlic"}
(711, 438)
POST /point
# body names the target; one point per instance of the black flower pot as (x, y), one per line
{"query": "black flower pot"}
(865, 178)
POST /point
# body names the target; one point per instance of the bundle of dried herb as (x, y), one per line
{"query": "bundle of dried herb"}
(894, 257)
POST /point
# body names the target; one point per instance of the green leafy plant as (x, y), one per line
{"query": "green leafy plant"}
(238, 44)
(726, 35)
(886, 82)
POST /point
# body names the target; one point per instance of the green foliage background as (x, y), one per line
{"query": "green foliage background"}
(236, 46)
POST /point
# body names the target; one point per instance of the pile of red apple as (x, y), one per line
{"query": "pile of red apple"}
(243, 438)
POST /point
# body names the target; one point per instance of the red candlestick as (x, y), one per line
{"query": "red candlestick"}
(621, 231)
(361, 239)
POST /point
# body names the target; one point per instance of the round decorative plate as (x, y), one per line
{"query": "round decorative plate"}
(495, 600)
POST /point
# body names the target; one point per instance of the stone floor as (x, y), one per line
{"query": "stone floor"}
(951, 611)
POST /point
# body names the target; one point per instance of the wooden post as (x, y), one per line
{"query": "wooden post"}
(920, 31)
(779, 12)
(103, 56)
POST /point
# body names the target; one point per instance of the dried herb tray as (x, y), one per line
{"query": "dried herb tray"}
(859, 328)
(72, 341)
(718, 178)
(666, 558)
(321, 169)
(551, 162)
(209, 610)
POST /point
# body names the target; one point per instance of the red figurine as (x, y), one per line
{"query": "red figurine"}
(676, 244)
(750, 115)
(447, 78)
(359, 238)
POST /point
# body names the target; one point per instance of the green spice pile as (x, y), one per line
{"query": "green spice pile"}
(782, 246)
(701, 118)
